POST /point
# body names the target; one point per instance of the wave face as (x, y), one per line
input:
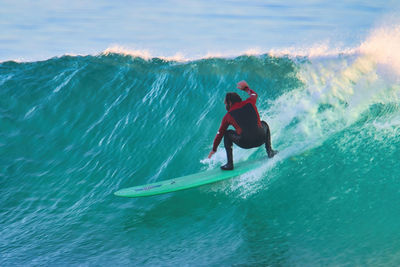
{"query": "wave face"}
(75, 129)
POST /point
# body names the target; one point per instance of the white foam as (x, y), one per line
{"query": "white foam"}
(383, 47)
(382, 44)
(143, 53)
(320, 49)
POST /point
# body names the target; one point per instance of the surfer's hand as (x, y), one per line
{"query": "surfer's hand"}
(211, 153)
(242, 85)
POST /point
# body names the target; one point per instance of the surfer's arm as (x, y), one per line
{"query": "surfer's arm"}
(224, 125)
(252, 95)
(242, 85)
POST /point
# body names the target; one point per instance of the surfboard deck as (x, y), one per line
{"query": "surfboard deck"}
(189, 181)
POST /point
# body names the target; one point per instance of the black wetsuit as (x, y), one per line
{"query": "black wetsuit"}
(256, 139)
(249, 130)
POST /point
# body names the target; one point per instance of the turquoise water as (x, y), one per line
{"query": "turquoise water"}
(95, 97)
(74, 129)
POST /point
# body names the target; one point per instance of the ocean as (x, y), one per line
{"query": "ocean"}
(75, 128)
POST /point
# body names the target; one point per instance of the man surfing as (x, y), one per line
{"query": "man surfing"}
(249, 130)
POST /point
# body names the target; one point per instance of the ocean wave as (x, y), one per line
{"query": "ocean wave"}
(74, 129)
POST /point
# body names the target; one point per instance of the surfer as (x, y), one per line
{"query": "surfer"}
(249, 130)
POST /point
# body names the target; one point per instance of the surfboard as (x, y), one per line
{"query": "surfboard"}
(189, 181)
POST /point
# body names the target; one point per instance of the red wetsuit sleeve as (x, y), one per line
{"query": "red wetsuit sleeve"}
(252, 95)
(224, 125)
